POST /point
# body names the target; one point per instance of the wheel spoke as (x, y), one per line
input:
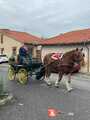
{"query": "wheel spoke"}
(22, 76)
(11, 73)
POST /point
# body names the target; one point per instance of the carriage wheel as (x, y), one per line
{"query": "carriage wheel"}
(11, 73)
(22, 76)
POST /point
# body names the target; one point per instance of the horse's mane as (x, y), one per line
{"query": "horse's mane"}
(69, 53)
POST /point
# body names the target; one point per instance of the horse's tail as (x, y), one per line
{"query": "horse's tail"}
(40, 73)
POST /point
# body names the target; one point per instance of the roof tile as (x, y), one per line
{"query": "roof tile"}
(70, 37)
(22, 36)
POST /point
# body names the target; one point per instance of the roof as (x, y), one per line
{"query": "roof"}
(22, 36)
(72, 37)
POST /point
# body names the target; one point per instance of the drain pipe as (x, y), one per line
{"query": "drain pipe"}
(87, 56)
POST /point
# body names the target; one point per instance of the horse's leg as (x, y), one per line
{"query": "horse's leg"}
(47, 80)
(47, 76)
(68, 83)
(59, 79)
(69, 78)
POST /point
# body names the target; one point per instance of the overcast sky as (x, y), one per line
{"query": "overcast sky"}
(45, 18)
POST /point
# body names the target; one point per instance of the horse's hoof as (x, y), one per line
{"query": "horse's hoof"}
(69, 90)
(49, 84)
(57, 86)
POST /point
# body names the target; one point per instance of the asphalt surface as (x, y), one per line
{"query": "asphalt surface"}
(31, 102)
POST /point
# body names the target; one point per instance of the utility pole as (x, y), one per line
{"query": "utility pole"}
(88, 64)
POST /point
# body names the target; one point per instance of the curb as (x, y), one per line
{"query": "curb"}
(85, 73)
(6, 65)
(5, 100)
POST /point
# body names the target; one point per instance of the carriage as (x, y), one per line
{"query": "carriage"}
(21, 71)
(70, 63)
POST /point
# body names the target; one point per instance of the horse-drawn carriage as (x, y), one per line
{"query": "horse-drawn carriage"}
(23, 66)
(69, 63)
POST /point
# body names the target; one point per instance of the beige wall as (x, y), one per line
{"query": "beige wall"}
(8, 44)
(63, 49)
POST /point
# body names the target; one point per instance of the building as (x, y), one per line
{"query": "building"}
(11, 41)
(68, 41)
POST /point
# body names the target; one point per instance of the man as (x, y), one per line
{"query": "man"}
(23, 51)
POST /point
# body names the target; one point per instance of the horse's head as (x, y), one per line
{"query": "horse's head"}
(78, 55)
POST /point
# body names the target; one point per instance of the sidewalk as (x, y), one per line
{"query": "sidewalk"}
(4, 65)
(6, 99)
(82, 77)
(80, 81)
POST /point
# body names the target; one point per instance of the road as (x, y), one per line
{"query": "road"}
(33, 100)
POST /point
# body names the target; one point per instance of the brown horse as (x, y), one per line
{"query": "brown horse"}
(70, 63)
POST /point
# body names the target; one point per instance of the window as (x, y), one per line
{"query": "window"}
(2, 50)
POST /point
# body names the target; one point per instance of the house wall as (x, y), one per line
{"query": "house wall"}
(36, 53)
(8, 44)
(65, 48)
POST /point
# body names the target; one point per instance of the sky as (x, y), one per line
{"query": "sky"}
(45, 18)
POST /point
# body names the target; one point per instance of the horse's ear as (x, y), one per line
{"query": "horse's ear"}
(76, 49)
(81, 49)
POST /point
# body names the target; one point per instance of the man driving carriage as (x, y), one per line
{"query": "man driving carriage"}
(24, 56)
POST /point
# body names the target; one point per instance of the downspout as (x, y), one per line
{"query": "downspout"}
(1, 41)
(87, 56)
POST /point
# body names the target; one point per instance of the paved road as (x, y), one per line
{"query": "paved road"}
(33, 100)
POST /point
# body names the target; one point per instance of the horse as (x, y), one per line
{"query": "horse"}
(69, 64)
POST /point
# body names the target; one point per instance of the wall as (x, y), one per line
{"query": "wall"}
(8, 44)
